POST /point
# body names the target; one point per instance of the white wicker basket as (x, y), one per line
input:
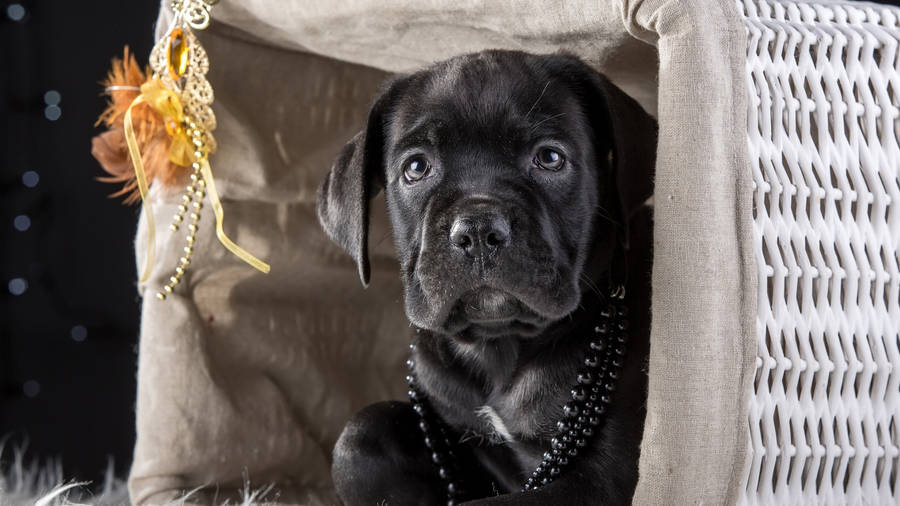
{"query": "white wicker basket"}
(823, 135)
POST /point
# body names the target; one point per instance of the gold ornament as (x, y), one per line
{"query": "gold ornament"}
(180, 94)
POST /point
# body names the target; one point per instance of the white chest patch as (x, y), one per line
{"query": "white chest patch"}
(494, 420)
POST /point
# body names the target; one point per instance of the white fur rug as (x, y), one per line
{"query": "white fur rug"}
(27, 483)
(43, 484)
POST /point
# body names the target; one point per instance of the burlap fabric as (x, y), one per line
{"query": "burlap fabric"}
(248, 373)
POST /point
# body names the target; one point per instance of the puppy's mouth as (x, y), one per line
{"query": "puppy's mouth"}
(488, 312)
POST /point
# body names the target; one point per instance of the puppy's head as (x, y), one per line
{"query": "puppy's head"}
(503, 172)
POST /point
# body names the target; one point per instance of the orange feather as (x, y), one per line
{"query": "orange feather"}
(110, 149)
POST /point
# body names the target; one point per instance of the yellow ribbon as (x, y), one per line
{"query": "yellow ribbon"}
(167, 103)
(220, 216)
(141, 178)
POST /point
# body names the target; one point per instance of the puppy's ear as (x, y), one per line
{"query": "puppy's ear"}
(622, 126)
(634, 134)
(357, 175)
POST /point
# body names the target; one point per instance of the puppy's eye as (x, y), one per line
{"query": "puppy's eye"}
(416, 168)
(549, 159)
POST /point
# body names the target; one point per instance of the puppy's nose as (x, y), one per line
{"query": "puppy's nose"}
(480, 233)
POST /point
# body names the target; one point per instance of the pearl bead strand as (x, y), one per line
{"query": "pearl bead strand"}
(192, 201)
(583, 416)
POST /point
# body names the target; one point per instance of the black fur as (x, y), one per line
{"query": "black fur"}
(503, 263)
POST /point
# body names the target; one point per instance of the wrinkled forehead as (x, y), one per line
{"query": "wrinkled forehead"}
(486, 97)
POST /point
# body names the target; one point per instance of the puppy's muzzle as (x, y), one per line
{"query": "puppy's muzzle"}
(479, 230)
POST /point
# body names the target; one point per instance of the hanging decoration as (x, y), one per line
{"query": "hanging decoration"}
(161, 131)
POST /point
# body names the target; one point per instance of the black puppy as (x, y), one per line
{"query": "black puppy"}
(510, 180)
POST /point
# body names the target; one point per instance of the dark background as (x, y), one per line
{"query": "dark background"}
(68, 341)
(69, 308)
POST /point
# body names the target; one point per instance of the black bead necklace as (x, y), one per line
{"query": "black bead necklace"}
(582, 416)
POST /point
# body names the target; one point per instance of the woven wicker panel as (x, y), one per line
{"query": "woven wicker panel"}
(823, 143)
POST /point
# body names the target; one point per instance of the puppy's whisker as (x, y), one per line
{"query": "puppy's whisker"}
(538, 100)
(603, 213)
(588, 280)
(534, 127)
(382, 238)
(589, 284)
